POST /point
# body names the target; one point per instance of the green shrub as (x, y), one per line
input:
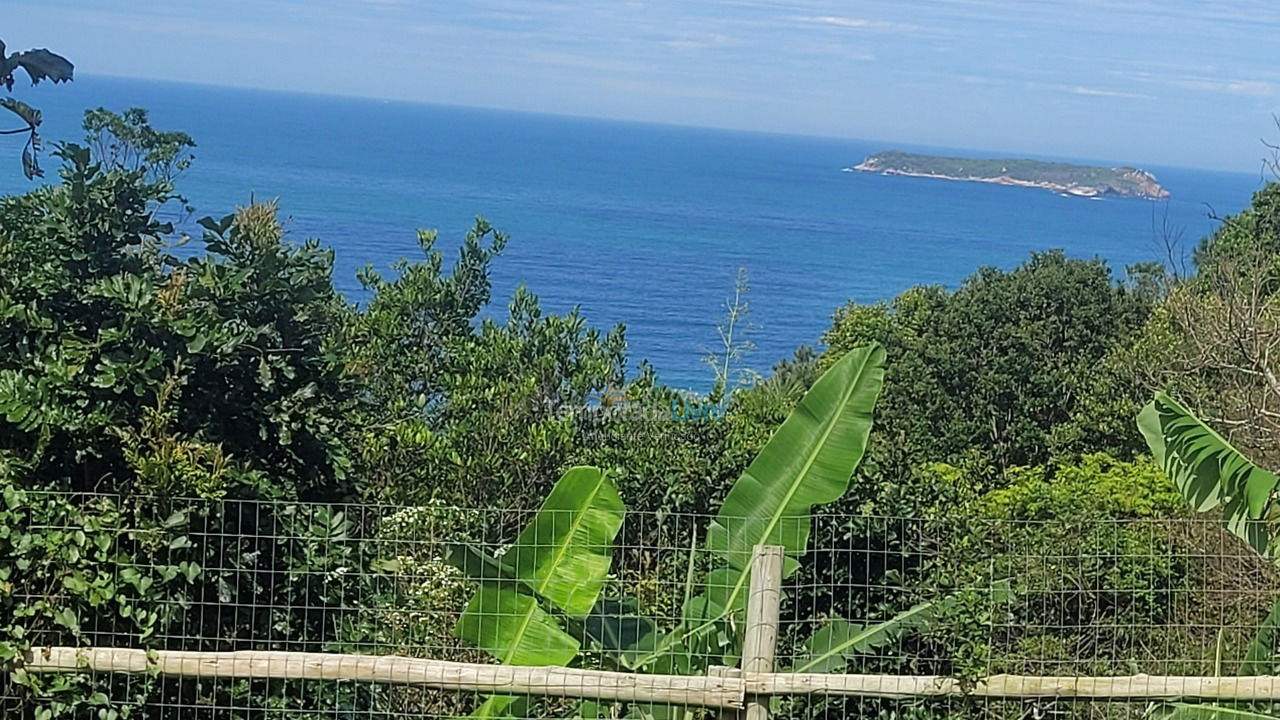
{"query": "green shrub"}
(1095, 571)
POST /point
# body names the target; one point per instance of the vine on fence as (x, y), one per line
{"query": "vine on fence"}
(71, 577)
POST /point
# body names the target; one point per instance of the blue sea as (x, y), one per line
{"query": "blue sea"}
(641, 224)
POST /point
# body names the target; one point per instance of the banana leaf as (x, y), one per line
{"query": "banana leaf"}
(1208, 471)
(565, 553)
(807, 462)
(479, 566)
(839, 642)
(832, 647)
(562, 556)
(617, 630)
(1259, 657)
(512, 627)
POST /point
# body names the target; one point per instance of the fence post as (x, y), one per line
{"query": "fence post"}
(760, 639)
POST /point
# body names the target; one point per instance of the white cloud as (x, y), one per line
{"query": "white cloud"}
(847, 22)
(1101, 92)
(1252, 88)
(586, 62)
(701, 41)
(852, 23)
(1225, 85)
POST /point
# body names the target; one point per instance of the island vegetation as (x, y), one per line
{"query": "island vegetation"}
(1064, 178)
(147, 397)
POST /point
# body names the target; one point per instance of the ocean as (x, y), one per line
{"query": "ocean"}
(635, 223)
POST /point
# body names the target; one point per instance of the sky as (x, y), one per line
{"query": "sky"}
(1181, 83)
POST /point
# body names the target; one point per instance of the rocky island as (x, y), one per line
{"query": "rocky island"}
(1064, 178)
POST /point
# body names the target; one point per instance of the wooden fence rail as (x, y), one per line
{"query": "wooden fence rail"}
(738, 691)
(1125, 687)
(390, 669)
(718, 690)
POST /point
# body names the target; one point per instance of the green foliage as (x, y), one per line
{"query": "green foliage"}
(440, 394)
(203, 376)
(1005, 371)
(807, 462)
(1094, 575)
(992, 372)
(122, 353)
(83, 558)
(146, 572)
(1094, 485)
(565, 553)
(840, 642)
(39, 64)
(516, 399)
(523, 386)
(1259, 656)
(1210, 343)
(128, 142)
(137, 572)
(561, 558)
(1246, 241)
(514, 628)
(128, 371)
(1211, 473)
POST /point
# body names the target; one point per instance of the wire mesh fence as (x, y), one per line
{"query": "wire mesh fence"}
(961, 599)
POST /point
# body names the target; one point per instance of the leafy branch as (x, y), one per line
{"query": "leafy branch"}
(732, 347)
(39, 64)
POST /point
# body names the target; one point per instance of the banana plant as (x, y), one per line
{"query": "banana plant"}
(808, 462)
(1212, 474)
(549, 578)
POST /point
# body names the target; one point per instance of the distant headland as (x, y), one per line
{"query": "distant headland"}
(1064, 178)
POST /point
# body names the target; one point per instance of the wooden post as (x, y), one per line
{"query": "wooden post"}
(760, 639)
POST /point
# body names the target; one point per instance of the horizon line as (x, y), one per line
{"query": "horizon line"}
(988, 153)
